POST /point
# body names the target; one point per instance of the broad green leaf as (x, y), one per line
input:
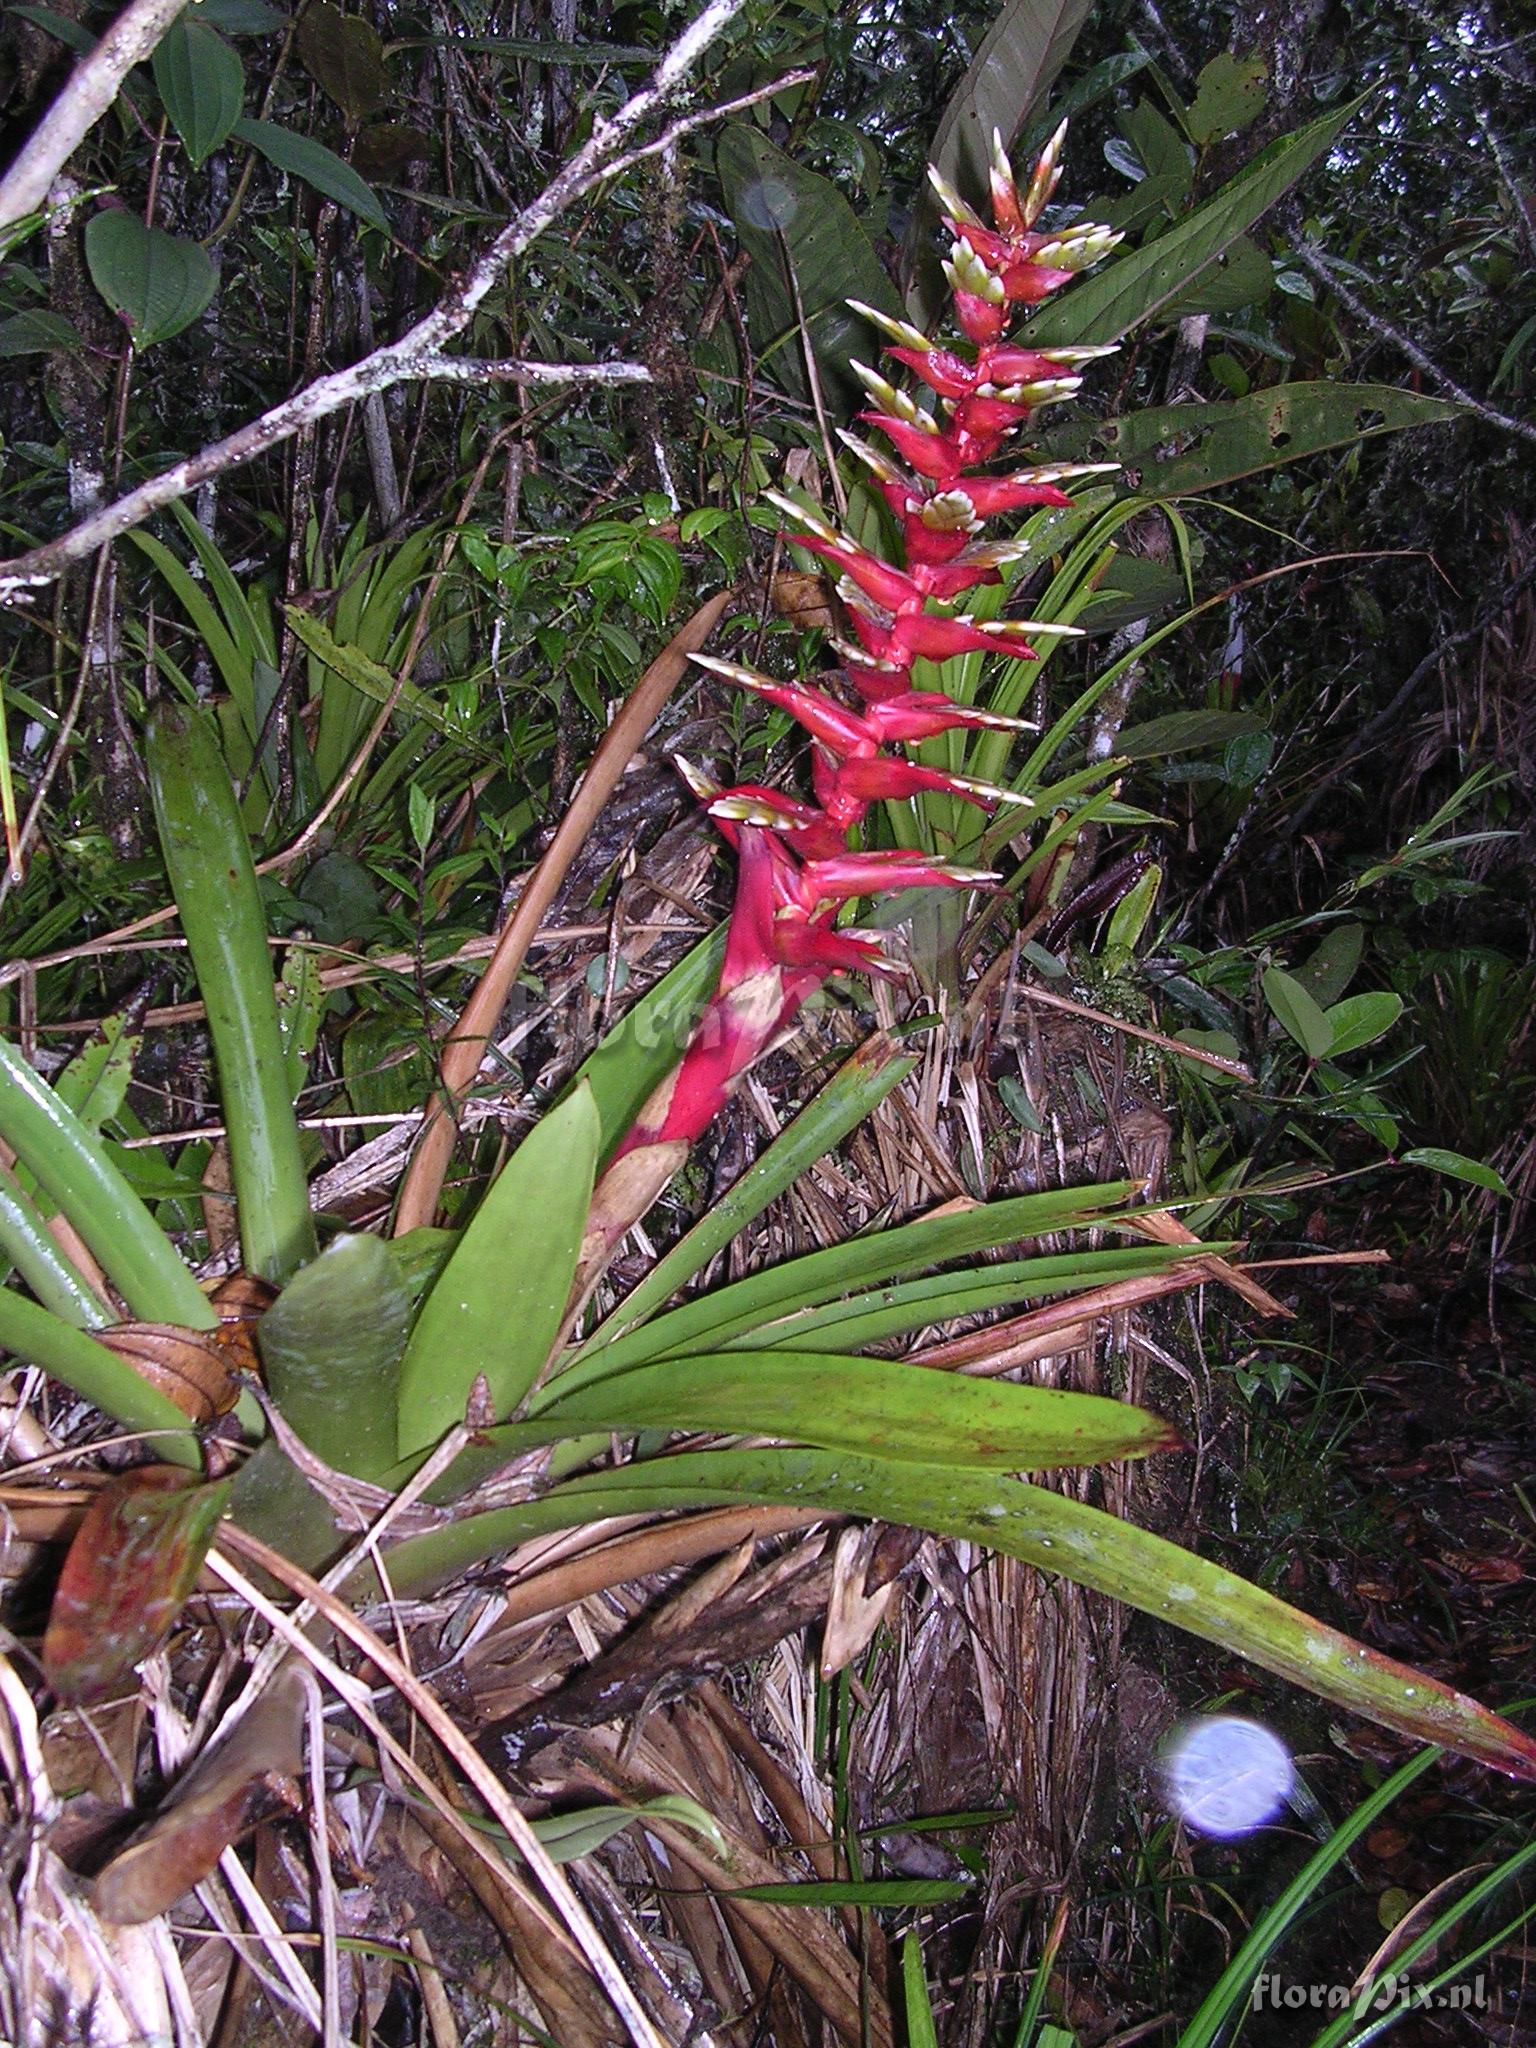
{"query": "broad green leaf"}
(1240, 276)
(242, 17)
(1297, 1013)
(159, 283)
(862, 1082)
(201, 83)
(133, 1563)
(1361, 1020)
(1049, 1530)
(344, 55)
(579, 1833)
(794, 223)
(1230, 94)
(70, 1162)
(1015, 66)
(1458, 1166)
(1131, 289)
(37, 332)
(498, 1306)
(861, 1262)
(329, 174)
(213, 880)
(878, 1407)
(97, 1375)
(332, 1345)
(1219, 443)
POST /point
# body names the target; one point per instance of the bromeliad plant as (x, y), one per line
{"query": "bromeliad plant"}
(374, 1352)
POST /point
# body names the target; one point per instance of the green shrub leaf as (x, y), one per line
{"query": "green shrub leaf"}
(159, 283)
(329, 174)
(201, 82)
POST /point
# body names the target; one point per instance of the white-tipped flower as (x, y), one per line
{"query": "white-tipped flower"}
(802, 515)
(954, 206)
(1069, 357)
(1062, 472)
(702, 785)
(753, 810)
(1044, 178)
(902, 332)
(965, 272)
(991, 792)
(874, 460)
(1078, 248)
(950, 512)
(850, 652)
(733, 672)
(885, 394)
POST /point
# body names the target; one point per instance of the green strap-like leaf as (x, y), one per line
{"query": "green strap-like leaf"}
(71, 1164)
(1045, 1529)
(1130, 289)
(332, 1344)
(635, 1057)
(874, 1406)
(213, 880)
(497, 1307)
(96, 1374)
(862, 1262)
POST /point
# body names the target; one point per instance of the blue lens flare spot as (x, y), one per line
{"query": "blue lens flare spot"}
(1225, 1776)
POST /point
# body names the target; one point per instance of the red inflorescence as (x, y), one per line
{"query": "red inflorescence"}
(795, 870)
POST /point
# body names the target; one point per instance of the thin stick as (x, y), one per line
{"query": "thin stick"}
(466, 1043)
(1185, 1052)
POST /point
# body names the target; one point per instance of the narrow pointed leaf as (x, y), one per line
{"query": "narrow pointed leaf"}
(1361, 1020)
(330, 175)
(134, 1561)
(332, 1343)
(866, 1079)
(497, 1308)
(214, 883)
(861, 1262)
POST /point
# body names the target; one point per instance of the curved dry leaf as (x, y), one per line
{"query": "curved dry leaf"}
(249, 1776)
(193, 1368)
(134, 1560)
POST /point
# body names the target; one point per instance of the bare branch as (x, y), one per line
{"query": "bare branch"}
(1314, 261)
(513, 370)
(91, 90)
(417, 354)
